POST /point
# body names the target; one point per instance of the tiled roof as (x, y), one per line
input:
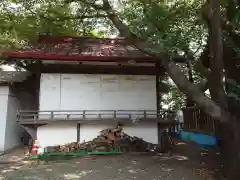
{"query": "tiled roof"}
(80, 48)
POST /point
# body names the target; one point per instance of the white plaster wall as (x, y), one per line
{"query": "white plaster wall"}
(62, 133)
(4, 90)
(10, 130)
(56, 134)
(13, 130)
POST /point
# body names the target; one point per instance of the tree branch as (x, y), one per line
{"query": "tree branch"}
(122, 28)
(215, 77)
(172, 69)
(225, 24)
(204, 72)
(86, 2)
(65, 18)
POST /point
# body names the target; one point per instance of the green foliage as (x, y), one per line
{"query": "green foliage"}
(22, 21)
(170, 25)
(174, 99)
(233, 89)
(173, 25)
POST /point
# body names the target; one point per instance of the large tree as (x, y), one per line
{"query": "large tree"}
(162, 29)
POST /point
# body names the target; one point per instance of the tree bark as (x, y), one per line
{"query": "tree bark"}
(230, 146)
(230, 132)
(216, 54)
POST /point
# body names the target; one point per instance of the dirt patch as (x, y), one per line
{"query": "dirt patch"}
(14, 156)
(184, 163)
(122, 167)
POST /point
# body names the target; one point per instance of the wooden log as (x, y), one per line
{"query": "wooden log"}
(109, 140)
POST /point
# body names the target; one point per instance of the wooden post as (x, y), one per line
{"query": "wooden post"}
(84, 114)
(52, 115)
(158, 89)
(157, 65)
(37, 81)
(145, 114)
(78, 132)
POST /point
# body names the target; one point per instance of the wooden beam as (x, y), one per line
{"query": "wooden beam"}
(96, 69)
(42, 56)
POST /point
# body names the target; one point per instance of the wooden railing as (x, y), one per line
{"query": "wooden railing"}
(196, 120)
(89, 115)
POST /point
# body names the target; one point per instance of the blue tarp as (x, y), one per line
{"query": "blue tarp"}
(199, 138)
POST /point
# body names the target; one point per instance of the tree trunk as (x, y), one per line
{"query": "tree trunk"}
(230, 149)
(230, 133)
(230, 130)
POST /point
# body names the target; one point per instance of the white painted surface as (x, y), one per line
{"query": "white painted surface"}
(49, 92)
(13, 131)
(97, 92)
(62, 133)
(56, 134)
(10, 131)
(4, 90)
(146, 131)
(94, 92)
(90, 131)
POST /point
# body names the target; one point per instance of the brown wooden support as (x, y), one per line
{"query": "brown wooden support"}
(158, 89)
(157, 65)
(38, 79)
(78, 131)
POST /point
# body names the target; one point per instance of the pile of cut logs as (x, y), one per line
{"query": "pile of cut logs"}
(109, 140)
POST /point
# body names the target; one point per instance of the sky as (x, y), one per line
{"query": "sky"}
(8, 68)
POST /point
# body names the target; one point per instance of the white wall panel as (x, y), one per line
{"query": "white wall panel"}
(10, 131)
(62, 133)
(109, 92)
(90, 131)
(49, 92)
(4, 91)
(70, 92)
(97, 92)
(146, 131)
(56, 134)
(89, 91)
(50, 98)
(13, 130)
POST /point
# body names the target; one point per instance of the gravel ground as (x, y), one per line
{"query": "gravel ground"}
(122, 167)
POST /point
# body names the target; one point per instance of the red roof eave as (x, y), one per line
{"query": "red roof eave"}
(41, 56)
